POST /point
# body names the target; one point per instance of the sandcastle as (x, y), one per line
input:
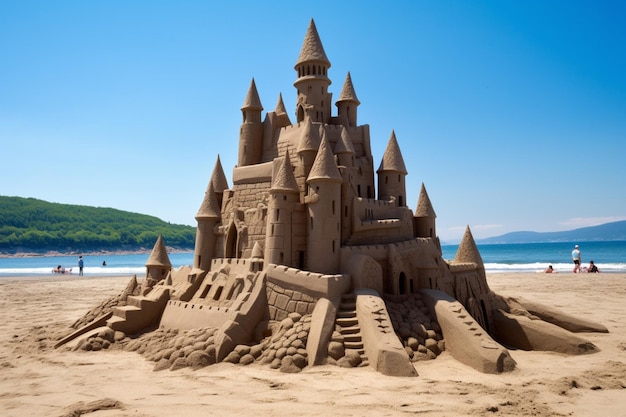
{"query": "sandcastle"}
(300, 264)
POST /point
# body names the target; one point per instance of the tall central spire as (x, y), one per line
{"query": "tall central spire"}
(312, 84)
(312, 49)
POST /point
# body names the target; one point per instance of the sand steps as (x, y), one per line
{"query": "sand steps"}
(349, 326)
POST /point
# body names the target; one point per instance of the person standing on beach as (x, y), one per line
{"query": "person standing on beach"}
(576, 258)
(80, 266)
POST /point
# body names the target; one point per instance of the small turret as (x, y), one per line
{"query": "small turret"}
(208, 216)
(158, 264)
(307, 148)
(324, 211)
(392, 174)
(344, 149)
(424, 217)
(468, 251)
(284, 196)
(347, 103)
(218, 179)
(251, 132)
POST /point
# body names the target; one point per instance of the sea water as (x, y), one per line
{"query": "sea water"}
(523, 257)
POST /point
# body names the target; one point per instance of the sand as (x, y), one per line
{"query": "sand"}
(37, 380)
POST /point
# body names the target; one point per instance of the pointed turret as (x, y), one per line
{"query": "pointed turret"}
(280, 106)
(312, 48)
(307, 148)
(324, 167)
(158, 264)
(344, 149)
(392, 174)
(284, 197)
(208, 216)
(209, 208)
(257, 252)
(324, 207)
(424, 218)
(312, 82)
(468, 251)
(252, 100)
(218, 179)
(347, 103)
(251, 131)
(284, 180)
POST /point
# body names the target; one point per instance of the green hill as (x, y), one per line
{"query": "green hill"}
(37, 226)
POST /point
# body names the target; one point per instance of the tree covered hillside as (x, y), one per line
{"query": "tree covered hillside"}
(31, 225)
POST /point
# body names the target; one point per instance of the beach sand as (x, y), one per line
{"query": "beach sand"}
(37, 380)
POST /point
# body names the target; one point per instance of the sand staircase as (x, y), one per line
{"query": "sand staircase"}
(140, 312)
(349, 326)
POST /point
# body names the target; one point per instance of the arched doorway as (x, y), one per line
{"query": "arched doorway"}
(230, 250)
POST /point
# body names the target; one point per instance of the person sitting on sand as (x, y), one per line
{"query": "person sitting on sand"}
(550, 270)
(592, 268)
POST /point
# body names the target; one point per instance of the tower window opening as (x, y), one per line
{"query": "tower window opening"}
(399, 178)
(358, 189)
(285, 197)
(333, 204)
(277, 214)
(345, 211)
(218, 292)
(333, 246)
(386, 179)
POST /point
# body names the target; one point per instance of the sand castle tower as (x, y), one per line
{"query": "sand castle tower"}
(158, 264)
(208, 216)
(312, 84)
(284, 197)
(392, 174)
(323, 202)
(251, 131)
(347, 103)
(425, 217)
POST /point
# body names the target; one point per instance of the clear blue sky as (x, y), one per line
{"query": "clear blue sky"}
(513, 113)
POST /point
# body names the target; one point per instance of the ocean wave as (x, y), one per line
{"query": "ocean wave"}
(541, 267)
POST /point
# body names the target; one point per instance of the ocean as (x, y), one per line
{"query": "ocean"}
(523, 257)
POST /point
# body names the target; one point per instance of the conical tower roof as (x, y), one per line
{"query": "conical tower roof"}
(347, 92)
(392, 158)
(344, 144)
(209, 209)
(468, 251)
(257, 252)
(159, 257)
(252, 101)
(310, 137)
(312, 49)
(280, 106)
(218, 179)
(424, 207)
(285, 180)
(324, 167)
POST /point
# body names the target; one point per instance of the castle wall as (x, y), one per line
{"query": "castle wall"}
(378, 221)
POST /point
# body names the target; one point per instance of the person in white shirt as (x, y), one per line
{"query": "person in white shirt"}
(576, 258)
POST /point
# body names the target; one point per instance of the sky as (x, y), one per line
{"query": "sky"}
(512, 113)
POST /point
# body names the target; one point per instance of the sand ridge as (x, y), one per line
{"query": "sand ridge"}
(39, 380)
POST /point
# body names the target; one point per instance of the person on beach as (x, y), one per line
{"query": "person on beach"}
(80, 266)
(550, 270)
(592, 268)
(576, 258)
